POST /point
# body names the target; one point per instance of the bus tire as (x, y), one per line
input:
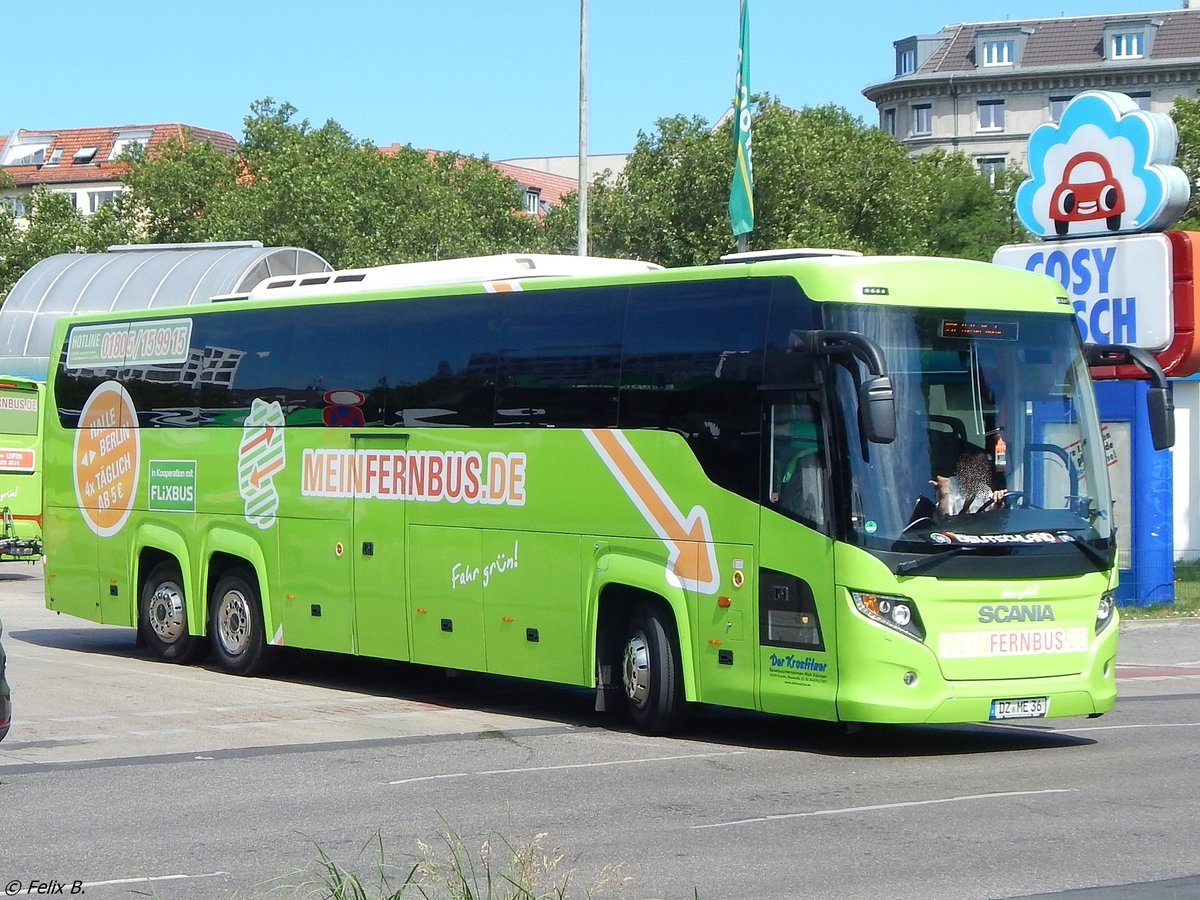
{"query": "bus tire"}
(650, 672)
(162, 617)
(236, 625)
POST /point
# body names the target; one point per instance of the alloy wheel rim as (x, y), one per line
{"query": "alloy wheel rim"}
(233, 622)
(635, 670)
(168, 620)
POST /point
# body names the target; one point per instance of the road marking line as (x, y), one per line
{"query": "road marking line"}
(611, 762)
(90, 884)
(881, 806)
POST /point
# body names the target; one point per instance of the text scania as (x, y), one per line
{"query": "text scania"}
(1018, 612)
(424, 475)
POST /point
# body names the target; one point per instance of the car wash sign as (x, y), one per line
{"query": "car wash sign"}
(1120, 287)
(1100, 177)
(1104, 168)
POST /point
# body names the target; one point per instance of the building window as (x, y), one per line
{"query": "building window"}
(27, 152)
(887, 121)
(906, 62)
(991, 115)
(990, 167)
(1127, 46)
(922, 119)
(533, 200)
(84, 155)
(127, 140)
(97, 199)
(998, 53)
(15, 204)
(1057, 107)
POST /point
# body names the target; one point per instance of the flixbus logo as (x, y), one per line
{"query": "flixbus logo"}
(1016, 612)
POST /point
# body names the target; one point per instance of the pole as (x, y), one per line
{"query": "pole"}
(583, 152)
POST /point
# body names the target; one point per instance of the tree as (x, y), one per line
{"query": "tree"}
(292, 184)
(52, 225)
(1186, 114)
(971, 216)
(822, 179)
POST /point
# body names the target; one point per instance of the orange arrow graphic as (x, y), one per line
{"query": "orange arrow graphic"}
(257, 474)
(688, 539)
(263, 437)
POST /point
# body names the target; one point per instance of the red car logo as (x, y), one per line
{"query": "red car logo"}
(1088, 191)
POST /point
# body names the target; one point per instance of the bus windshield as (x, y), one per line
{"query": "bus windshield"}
(998, 445)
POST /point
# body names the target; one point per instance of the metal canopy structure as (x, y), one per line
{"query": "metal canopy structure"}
(131, 277)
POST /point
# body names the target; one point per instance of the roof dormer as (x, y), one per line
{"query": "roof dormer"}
(913, 52)
(25, 149)
(1129, 40)
(1000, 47)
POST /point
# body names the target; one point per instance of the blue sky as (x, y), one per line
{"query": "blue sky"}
(495, 77)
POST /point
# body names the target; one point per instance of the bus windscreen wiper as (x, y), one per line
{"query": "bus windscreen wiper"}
(921, 563)
(1102, 560)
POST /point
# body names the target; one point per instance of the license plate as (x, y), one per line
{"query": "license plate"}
(1024, 708)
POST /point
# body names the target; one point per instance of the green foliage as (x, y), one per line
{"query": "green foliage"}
(822, 179)
(450, 870)
(969, 217)
(293, 184)
(1186, 114)
(52, 225)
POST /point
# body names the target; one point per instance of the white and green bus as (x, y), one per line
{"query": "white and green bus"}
(739, 485)
(20, 469)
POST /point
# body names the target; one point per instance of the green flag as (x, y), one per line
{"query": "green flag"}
(741, 191)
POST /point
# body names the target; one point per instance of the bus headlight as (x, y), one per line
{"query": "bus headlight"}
(1106, 611)
(899, 613)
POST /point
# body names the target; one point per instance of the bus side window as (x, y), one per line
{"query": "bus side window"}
(797, 464)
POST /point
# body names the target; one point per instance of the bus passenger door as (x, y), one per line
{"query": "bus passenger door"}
(797, 670)
(377, 550)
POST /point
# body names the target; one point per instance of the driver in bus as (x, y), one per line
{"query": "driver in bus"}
(971, 488)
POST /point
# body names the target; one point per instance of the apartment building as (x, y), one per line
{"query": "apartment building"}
(82, 162)
(982, 87)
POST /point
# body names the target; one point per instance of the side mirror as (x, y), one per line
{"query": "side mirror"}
(1161, 409)
(876, 399)
(877, 407)
(1159, 406)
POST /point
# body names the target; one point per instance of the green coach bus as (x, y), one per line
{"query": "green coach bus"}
(839, 487)
(20, 469)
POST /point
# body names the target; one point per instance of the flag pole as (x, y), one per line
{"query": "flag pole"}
(583, 153)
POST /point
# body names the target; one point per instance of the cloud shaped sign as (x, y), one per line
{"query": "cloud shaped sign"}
(1104, 168)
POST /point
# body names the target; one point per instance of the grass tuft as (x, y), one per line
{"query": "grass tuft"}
(447, 869)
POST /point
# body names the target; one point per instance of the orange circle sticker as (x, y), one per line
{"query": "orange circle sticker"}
(107, 457)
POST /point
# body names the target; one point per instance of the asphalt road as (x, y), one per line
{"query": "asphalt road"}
(126, 776)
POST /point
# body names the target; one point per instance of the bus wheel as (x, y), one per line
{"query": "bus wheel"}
(162, 617)
(236, 625)
(650, 672)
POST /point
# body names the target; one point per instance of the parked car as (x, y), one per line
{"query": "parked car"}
(5, 699)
